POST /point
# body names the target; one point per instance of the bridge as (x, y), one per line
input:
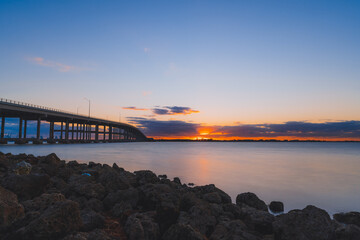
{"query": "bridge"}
(60, 126)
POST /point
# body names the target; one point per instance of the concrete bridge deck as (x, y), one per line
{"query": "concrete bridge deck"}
(62, 126)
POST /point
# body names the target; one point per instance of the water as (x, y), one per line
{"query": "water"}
(326, 175)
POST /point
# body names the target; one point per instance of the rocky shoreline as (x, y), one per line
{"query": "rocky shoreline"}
(48, 198)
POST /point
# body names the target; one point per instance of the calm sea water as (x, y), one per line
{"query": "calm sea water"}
(326, 175)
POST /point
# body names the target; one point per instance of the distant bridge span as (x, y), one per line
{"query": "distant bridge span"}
(64, 127)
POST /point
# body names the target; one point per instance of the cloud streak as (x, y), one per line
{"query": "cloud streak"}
(166, 110)
(61, 67)
(135, 108)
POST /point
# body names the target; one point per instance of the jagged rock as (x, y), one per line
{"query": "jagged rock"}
(94, 204)
(251, 200)
(213, 197)
(121, 210)
(177, 180)
(142, 226)
(114, 180)
(26, 186)
(146, 176)
(207, 189)
(91, 220)
(22, 168)
(258, 220)
(309, 223)
(348, 218)
(276, 206)
(182, 231)
(10, 209)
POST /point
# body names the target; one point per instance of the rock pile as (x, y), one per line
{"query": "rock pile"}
(48, 198)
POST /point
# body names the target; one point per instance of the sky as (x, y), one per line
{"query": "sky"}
(190, 69)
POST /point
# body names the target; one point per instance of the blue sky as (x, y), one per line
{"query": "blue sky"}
(235, 62)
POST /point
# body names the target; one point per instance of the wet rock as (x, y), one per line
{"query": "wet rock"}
(251, 200)
(26, 186)
(276, 206)
(142, 226)
(91, 220)
(348, 218)
(10, 209)
(182, 231)
(22, 168)
(146, 176)
(309, 223)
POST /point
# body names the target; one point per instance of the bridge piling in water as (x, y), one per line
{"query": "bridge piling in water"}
(63, 127)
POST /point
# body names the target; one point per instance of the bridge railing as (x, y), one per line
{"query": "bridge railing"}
(4, 100)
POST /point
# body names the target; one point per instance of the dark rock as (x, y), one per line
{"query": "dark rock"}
(182, 231)
(251, 200)
(309, 223)
(146, 176)
(177, 180)
(22, 168)
(56, 221)
(116, 167)
(42, 202)
(276, 207)
(347, 232)
(86, 186)
(234, 229)
(130, 196)
(258, 220)
(113, 180)
(94, 204)
(122, 210)
(142, 226)
(164, 176)
(26, 186)
(91, 220)
(348, 218)
(200, 218)
(213, 197)
(202, 191)
(10, 209)
(96, 234)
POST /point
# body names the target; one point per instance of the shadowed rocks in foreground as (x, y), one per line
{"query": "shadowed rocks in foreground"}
(47, 198)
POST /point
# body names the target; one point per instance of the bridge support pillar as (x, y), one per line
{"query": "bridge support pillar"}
(2, 127)
(67, 130)
(25, 127)
(38, 129)
(96, 132)
(61, 131)
(110, 133)
(20, 127)
(104, 137)
(51, 133)
(72, 131)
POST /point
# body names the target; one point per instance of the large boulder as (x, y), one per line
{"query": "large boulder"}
(146, 176)
(251, 200)
(212, 194)
(276, 207)
(91, 220)
(22, 168)
(130, 196)
(96, 234)
(26, 186)
(42, 202)
(311, 223)
(348, 218)
(347, 232)
(182, 231)
(86, 186)
(10, 209)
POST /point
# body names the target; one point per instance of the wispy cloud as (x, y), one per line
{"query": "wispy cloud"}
(61, 67)
(166, 110)
(146, 50)
(174, 110)
(135, 108)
